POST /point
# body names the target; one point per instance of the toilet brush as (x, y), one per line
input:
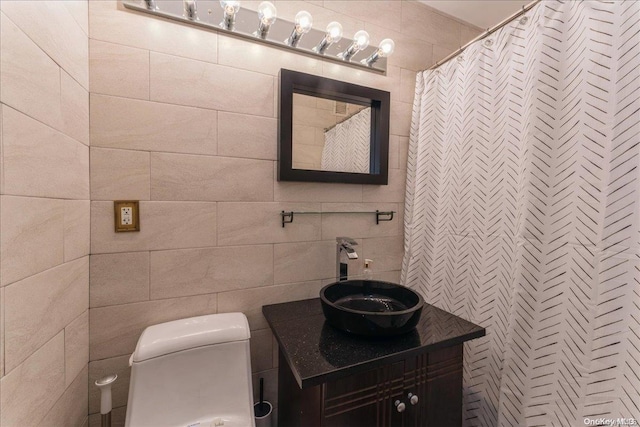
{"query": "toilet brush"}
(263, 409)
(104, 384)
(261, 395)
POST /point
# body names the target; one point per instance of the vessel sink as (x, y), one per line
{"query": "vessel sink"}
(371, 308)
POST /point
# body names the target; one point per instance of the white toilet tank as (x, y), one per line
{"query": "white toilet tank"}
(192, 372)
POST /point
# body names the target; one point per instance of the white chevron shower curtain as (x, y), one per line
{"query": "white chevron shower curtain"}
(523, 213)
(346, 145)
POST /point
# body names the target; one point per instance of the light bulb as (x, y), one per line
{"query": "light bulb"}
(266, 16)
(385, 48)
(360, 41)
(231, 8)
(267, 13)
(303, 23)
(333, 35)
(334, 31)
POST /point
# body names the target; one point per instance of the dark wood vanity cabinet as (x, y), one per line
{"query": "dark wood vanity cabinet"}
(374, 397)
(330, 378)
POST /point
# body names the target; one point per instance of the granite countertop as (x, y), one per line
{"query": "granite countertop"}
(317, 352)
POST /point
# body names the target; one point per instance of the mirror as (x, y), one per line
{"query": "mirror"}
(330, 135)
(332, 131)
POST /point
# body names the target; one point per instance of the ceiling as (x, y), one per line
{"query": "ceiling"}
(481, 13)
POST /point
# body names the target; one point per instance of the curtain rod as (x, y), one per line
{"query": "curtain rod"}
(344, 120)
(488, 32)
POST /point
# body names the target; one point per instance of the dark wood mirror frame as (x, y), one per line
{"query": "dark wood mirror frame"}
(307, 84)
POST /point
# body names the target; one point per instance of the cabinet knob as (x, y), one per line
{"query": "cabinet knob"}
(413, 399)
(400, 406)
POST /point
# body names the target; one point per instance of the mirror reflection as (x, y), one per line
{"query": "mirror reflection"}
(330, 135)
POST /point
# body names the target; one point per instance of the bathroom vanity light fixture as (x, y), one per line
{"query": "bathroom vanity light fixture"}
(360, 42)
(230, 8)
(333, 35)
(260, 25)
(266, 16)
(190, 9)
(303, 24)
(385, 48)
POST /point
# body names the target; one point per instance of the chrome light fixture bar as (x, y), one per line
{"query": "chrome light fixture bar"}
(229, 18)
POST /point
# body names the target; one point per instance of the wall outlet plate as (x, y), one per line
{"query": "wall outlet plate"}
(127, 215)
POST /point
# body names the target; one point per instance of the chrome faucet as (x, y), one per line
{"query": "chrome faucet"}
(344, 253)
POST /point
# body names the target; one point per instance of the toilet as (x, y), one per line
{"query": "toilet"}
(193, 372)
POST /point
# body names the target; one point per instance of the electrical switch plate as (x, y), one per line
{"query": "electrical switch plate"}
(127, 215)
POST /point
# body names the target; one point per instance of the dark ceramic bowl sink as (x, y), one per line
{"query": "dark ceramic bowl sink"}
(371, 308)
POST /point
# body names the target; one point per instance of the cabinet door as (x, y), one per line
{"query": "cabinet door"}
(436, 379)
(415, 383)
(444, 387)
(365, 399)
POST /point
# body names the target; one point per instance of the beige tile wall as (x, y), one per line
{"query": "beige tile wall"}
(185, 120)
(44, 213)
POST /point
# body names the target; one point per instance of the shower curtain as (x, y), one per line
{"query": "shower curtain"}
(523, 213)
(346, 145)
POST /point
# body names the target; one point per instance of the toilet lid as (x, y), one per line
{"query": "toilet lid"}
(184, 334)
